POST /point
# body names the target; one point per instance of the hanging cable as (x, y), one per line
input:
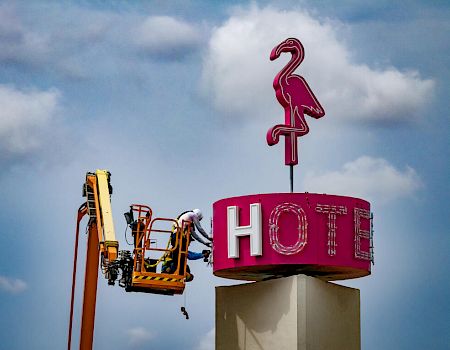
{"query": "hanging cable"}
(183, 308)
(125, 234)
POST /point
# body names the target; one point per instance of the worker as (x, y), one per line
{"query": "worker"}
(195, 216)
(189, 220)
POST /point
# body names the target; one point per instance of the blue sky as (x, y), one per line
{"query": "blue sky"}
(175, 98)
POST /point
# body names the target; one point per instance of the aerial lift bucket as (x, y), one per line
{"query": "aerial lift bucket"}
(145, 277)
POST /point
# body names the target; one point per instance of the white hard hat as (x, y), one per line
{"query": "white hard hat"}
(199, 214)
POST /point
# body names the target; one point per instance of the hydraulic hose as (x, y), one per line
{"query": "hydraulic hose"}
(81, 212)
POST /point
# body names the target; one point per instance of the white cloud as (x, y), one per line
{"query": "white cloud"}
(166, 37)
(139, 336)
(238, 74)
(207, 342)
(12, 286)
(367, 178)
(23, 117)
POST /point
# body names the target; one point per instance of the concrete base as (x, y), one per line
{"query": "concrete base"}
(297, 312)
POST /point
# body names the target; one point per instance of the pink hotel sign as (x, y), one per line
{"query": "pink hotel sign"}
(273, 235)
(280, 234)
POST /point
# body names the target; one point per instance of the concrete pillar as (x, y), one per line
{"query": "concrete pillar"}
(297, 312)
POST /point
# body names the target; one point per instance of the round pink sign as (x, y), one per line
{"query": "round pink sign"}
(263, 236)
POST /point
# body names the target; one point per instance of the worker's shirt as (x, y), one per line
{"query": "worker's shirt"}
(192, 217)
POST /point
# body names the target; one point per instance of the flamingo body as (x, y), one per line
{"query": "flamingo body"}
(294, 94)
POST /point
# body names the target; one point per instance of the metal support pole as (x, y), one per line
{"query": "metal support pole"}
(90, 289)
(292, 177)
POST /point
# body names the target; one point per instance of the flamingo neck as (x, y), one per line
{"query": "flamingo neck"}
(292, 65)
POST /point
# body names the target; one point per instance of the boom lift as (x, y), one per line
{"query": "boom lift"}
(139, 270)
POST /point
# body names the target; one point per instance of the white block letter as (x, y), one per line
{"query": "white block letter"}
(254, 230)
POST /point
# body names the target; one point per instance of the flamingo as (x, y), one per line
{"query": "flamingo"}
(294, 94)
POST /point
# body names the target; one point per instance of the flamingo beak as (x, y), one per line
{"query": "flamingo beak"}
(277, 50)
(275, 53)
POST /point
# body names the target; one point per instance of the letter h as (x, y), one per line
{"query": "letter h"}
(254, 230)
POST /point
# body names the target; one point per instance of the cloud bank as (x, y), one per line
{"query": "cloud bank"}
(139, 336)
(19, 44)
(207, 342)
(166, 37)
(13, 286)
(238, 74)
(81, 42)
(368, 178)
(23, 117)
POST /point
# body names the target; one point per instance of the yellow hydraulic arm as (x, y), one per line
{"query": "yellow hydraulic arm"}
(98, 185)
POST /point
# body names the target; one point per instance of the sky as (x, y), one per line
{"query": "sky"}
(174, 98)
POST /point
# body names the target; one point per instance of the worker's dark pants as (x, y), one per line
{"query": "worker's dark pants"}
(173, 264)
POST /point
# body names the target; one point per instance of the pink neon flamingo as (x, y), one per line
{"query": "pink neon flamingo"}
(296, 97)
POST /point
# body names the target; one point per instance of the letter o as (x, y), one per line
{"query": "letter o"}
(274, 228)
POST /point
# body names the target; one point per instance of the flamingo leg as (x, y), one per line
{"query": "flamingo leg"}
(298, 127)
